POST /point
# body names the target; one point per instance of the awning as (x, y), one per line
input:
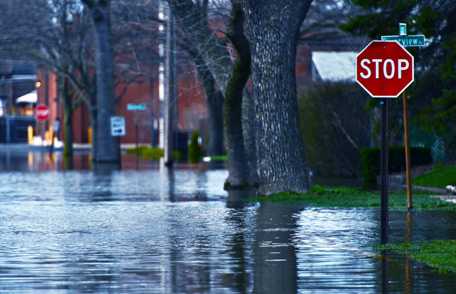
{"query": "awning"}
(30, 98)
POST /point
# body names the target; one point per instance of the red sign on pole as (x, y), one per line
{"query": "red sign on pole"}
(384, 69)
(42, 112)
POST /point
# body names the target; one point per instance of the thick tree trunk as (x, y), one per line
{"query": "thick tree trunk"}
(272, 28)
(107, 148)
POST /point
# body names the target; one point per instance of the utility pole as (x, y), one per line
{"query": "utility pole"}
(170, 89)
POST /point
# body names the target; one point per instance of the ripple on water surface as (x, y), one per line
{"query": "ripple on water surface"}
(153, 231)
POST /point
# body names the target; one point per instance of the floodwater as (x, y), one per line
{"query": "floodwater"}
(154, 231)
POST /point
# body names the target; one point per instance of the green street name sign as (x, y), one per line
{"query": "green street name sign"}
(407, 40)
(136, 107)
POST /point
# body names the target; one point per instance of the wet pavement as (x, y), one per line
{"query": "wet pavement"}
(154, 231)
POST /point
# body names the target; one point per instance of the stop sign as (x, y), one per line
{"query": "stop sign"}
(42, 112)
(384, 69)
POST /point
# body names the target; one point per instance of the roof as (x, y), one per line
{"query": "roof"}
(31, 98)
(334, 66)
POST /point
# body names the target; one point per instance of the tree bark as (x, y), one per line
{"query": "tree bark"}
(248, 131)
(107, 147)
(238, 166)
(272, 29)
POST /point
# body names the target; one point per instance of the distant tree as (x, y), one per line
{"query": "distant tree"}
(54, 34)
(58, 36)
(107, 147)
(203, 25)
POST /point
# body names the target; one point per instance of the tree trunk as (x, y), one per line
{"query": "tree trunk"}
(214, 100)
(171, 99)
(238, 166)
(272, 28)
(238, 169)
(107, 147)
(67, 118)
(248, 131)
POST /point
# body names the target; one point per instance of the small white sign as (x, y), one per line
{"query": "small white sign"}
(118, 126)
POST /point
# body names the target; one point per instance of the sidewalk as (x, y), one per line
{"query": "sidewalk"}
(76, 146)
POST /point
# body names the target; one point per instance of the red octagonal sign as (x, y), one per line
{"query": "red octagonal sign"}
(42, 112)
(384, 69)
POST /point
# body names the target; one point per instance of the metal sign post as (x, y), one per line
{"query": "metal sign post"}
(407, 41)
(384, 167)
(135, 108)
(384, 69)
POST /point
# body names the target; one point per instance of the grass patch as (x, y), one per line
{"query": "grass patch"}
(439, 254)
(439, 176)
(221, 158)
(153, 153)
(148, 153)
(345, 197)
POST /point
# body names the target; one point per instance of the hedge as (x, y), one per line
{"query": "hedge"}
(370, 162)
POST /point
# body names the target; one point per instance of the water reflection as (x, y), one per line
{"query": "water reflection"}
(176, 231)
(275, 269)
(399, 274)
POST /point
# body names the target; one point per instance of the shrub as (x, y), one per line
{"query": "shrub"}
(370, 162)
(195, 152)
(334, 124)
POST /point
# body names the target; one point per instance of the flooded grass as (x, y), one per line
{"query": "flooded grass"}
(346, 197)
(439, 177)
(438, 254)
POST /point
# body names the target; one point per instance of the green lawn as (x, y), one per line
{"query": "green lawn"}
(439, 176)
(223, 158)
(344, 197)
(148, 153)
(439, 254)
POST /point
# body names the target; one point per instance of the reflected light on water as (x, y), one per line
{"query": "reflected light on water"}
(156, 230)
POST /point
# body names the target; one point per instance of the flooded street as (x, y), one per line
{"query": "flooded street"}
(154, 231)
